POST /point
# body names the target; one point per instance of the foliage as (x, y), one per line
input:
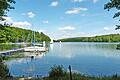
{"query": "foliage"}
(4, 72)
(44, 37)
(14, 34)
(75, 76)
(57, 71)
(5, 5)
(114, 4)
(103, 38)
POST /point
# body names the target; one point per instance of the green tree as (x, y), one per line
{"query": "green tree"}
(12, 34)
(5, 6)
(114, 4)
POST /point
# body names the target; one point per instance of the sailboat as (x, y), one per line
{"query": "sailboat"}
(35, 48)
(51, 42)
(60, 42)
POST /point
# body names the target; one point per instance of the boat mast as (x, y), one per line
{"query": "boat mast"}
(34, 36)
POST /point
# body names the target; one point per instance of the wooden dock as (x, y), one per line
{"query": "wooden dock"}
(25, 49)
(12, 51)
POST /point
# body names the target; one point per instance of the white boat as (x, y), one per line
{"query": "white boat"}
(51, 42)
(60, 42)
(35, 49)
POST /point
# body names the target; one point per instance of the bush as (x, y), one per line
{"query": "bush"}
(4, 72)
(57, 71)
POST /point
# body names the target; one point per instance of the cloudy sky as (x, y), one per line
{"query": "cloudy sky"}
(63, 18)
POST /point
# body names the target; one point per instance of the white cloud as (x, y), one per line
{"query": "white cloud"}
(54, 4)
(76, 10)
(67, 28)
(76, 34)
(69, 34)
(45, 22)
(8, 19)
(78, 0)
(29, 14)
(94, 1)
(106, 28)
(21, 24)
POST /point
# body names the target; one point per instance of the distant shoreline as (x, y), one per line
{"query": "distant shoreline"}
(103, 38)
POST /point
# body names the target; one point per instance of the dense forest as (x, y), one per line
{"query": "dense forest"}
(13, 34)
(102, 38)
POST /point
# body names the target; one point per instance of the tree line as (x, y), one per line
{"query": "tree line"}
(103, 38)
(13, 34)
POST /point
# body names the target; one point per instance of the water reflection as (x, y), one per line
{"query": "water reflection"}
(26, 66)
(51, 46)
(70, 50)
(87, 58)
(34, 54)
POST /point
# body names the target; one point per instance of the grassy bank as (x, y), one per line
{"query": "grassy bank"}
(59, 73)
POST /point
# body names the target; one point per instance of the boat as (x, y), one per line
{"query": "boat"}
(35, 49)
(51, 42)
(60, 42)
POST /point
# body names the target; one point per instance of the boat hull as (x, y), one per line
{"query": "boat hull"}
(35, 49)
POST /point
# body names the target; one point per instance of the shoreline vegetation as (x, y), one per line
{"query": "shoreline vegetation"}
(10, 34)
(57, 72)
(102, 38)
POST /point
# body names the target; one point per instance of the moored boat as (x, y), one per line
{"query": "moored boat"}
(51, 42)
(35, 49)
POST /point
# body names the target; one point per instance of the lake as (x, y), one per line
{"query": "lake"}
(96, 59)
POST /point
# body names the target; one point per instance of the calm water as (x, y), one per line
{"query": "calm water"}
(86, 58)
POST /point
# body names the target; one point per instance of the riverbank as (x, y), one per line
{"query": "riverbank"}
(87, 58)
(101, 38)
(75, 77)
(59, 73)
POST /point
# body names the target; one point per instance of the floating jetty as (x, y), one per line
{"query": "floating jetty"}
(26, 49)
(12, 51)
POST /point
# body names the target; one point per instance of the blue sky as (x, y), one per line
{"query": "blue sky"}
(63, 18)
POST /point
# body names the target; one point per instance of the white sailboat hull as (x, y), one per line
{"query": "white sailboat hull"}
(35, 48)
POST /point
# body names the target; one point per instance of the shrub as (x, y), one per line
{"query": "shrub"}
(57, 71)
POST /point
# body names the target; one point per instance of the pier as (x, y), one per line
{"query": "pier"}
(25, 49)
(12, 51)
